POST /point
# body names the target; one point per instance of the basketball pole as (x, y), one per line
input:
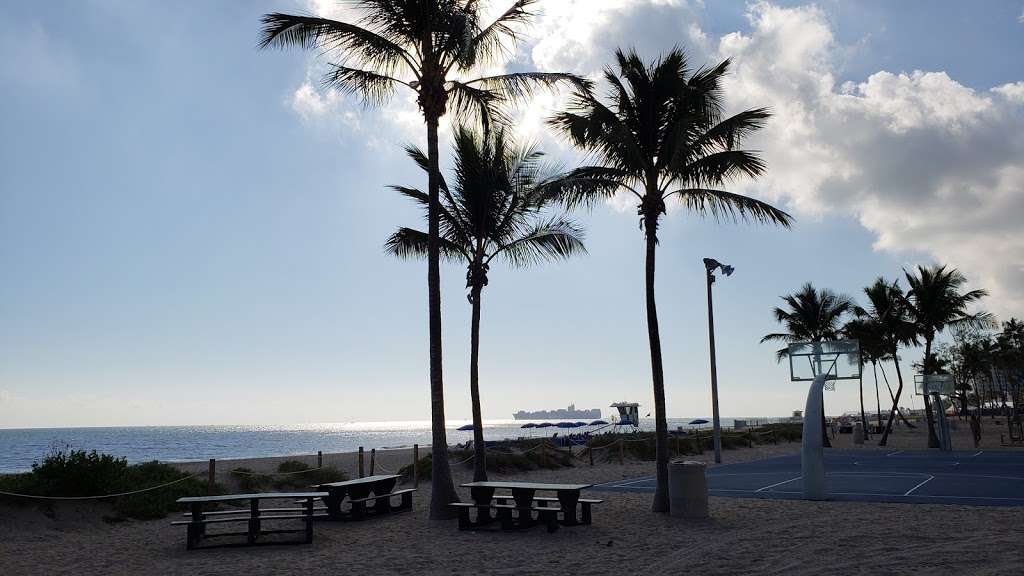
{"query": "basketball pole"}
(812, 464)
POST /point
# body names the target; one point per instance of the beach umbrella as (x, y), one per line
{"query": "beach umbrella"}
(465, 428)
(545, 425)
(529, 425)
(698, 421)
(565, 425)
(578, 424)
(598, 423)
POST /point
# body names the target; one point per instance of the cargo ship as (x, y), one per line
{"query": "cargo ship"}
(569, 413)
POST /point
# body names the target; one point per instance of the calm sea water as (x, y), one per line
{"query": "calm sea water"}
(19, 448)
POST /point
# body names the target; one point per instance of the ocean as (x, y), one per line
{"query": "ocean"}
(19, 448)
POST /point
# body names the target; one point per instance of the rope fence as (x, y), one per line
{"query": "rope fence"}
(103, 496)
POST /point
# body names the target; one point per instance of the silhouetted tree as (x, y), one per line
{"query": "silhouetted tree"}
(658, 134)
(494, 208)
(886, 314)
(812, 315)
(429, 47)
(935, 301)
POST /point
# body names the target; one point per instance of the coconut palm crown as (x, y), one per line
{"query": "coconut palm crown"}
(494, 209)
(811, 315)
(660, 133)
(935, 301)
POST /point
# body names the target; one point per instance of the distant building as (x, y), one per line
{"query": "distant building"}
(570, 413)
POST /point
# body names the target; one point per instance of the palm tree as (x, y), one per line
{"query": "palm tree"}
(427, 46)
(812, 316)
(660, 135)
(889, 328)
(494, 208)
(935, 301)
(864, 333)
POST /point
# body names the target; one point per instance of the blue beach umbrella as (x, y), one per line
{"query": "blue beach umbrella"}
(465, 428)
(529, 425)
(598, 423)
(698, 422)
(545, 425)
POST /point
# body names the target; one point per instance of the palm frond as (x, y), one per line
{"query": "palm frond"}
(469, 103)
(372, 88)
(520, 86)
(500, 36)
(555, 239)
(408, 244)
(585, 186)
(351, 41)
(722, 205)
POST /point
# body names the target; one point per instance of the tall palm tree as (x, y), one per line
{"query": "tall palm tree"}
(935, 301)
(658, 134)
(811, 315)
(864, 333)
(427, 46)
(494, 208)
(890, 327)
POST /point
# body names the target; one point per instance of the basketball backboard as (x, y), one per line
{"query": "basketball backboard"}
(839, 359)
(934, 383)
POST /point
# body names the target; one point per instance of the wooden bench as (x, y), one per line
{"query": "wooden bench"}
(545, 514)
(253, 517)
(585, 504)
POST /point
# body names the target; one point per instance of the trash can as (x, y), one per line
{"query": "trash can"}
(688, 489)
(858, 433)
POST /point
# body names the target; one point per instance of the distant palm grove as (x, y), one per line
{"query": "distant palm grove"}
(653, 129)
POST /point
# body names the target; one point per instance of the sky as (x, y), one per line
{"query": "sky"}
(191, 229)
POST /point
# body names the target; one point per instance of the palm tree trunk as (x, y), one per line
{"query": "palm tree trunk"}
(933, 440)
(479, 448)
(895, 401)
(892, 398)
(442, 488)
(660, 503)
(863, 418)
(878, 400)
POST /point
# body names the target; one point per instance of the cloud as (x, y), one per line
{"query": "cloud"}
(926, 163)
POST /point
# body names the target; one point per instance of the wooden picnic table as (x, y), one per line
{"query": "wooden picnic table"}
(523, 494)
(378, 488)
(254, 516)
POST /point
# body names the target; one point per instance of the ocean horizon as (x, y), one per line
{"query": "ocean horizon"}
(21, 447)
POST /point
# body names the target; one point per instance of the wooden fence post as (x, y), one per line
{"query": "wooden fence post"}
(590, 450)
(622, 451)
(212, 476)
(700, 443)
(360, 461)
(415, 465)
(750, 437)
(373, 459)
(319, 459)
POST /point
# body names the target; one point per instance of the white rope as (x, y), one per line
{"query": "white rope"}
(32, 496)
(247, 473)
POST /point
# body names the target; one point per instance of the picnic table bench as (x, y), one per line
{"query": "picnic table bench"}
(377, 490)
(523, 508)
(253, 516)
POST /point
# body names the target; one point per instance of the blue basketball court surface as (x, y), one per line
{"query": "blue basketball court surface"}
(976, 478)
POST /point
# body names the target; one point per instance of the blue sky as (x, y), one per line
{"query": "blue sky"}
(191, 229)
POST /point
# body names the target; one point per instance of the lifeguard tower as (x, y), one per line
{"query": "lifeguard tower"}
(629, 415)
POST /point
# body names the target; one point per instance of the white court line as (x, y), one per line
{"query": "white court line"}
(620, 484)
(762, 489)
(978, 453)
(930, 478)
(895, 453)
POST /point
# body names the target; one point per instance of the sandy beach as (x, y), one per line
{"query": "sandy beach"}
(742, 537)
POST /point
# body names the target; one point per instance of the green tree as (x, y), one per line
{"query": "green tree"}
(936, 301)
(660, 133)
(429, 47)
(811, 315)
(495, 207)
(890, 327)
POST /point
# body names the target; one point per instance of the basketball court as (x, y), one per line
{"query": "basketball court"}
(977, 478)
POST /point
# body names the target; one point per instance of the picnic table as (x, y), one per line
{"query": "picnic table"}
(359, 492)
(253, 516)
(525, 502)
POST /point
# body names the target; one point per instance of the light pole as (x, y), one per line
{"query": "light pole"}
(710, 264)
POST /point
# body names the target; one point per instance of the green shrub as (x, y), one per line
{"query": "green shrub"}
(301, 475)
(250, 481)
(66, 472)
(426, 465)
